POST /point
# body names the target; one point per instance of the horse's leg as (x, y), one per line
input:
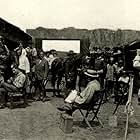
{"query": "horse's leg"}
(58, 83)
(53, 81)
(79, 83)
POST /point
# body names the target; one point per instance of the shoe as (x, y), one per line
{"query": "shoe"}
(58, 95)
(116, 102)
(64, 108)
(37, 99)
(61, 108)
(45, 99)
(2, 106)
(41, 98)
(34, 98)
(69, 112)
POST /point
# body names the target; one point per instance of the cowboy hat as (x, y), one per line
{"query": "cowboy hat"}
(71, 52)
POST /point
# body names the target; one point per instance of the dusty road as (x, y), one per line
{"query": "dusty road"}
(40, 121)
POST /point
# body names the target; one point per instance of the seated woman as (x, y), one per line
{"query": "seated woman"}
(76, 99)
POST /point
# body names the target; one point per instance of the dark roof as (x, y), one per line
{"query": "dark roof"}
(8, 28)
(133, 45)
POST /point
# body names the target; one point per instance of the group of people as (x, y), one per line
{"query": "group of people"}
(28, 68)
(14, 83)
(32, 68)
(99, 72)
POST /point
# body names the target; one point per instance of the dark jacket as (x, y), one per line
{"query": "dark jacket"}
(41, 69)
(70, 67)
(4, 53)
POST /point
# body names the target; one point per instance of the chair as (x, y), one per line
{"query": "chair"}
(21, 94)
(122, 95)
(93, 107)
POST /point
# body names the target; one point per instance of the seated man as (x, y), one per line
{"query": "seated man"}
(14, 84)
(76, 99)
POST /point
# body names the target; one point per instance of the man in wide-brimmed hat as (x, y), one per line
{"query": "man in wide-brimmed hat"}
(70, 67)
(84, 97)
(100, 66)
(71, 52)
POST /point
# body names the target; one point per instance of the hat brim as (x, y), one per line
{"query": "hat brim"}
(70, 54)
(91, 75)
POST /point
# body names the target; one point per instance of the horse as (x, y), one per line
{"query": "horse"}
(64, 72)
(57, 73)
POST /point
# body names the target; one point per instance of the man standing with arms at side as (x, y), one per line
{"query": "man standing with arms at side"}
(70, 68)
(41, 74)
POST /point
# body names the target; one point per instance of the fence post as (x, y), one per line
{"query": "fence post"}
(128, 105)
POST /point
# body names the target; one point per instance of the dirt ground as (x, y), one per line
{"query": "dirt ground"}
(41, 121)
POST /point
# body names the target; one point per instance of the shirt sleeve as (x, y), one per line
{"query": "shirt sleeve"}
(27, 65)
(19, 81)
(7, 50)
(46, 65)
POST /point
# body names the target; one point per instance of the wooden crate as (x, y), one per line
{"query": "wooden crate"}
(66, 123)
(113, 121)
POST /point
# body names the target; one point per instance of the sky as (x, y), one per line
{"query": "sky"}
(61, 45)
(89, 14)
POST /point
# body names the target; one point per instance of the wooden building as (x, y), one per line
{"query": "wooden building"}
(130, 53)
(13, 35)
(84, 44)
